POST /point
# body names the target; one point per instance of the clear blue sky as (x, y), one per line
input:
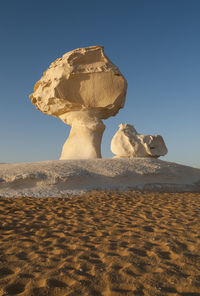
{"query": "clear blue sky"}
(155, 44)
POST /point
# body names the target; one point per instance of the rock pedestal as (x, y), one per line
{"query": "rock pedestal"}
(85, 136)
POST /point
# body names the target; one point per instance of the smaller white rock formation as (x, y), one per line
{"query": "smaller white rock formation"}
(127, 143)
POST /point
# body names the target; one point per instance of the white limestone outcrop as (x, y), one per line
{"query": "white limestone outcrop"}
(67, 177)
(81, 88)
(128, 143)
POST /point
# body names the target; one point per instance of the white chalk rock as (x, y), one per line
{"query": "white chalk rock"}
(81, 88)
(128, 143)
(84, 140)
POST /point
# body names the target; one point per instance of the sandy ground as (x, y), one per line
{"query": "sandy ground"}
(101, 243)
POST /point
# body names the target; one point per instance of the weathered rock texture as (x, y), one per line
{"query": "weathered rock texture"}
(128, 143)
(81, 88)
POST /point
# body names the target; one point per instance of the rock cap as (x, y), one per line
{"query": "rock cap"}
(83, 79)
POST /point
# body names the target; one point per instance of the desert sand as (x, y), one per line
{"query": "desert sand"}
(101, 243)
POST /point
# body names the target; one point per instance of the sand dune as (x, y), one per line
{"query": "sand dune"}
(101, 243)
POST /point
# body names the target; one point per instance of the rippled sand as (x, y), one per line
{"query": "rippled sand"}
(101, 243)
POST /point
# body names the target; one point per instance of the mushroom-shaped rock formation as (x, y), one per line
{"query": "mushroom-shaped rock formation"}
(81, 88)
(128, 143)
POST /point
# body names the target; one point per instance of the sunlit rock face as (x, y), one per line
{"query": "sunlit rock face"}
(128, 143)
(81, 88)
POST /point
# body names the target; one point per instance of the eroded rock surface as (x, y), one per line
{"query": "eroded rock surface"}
(128, 143)
(82, 80)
